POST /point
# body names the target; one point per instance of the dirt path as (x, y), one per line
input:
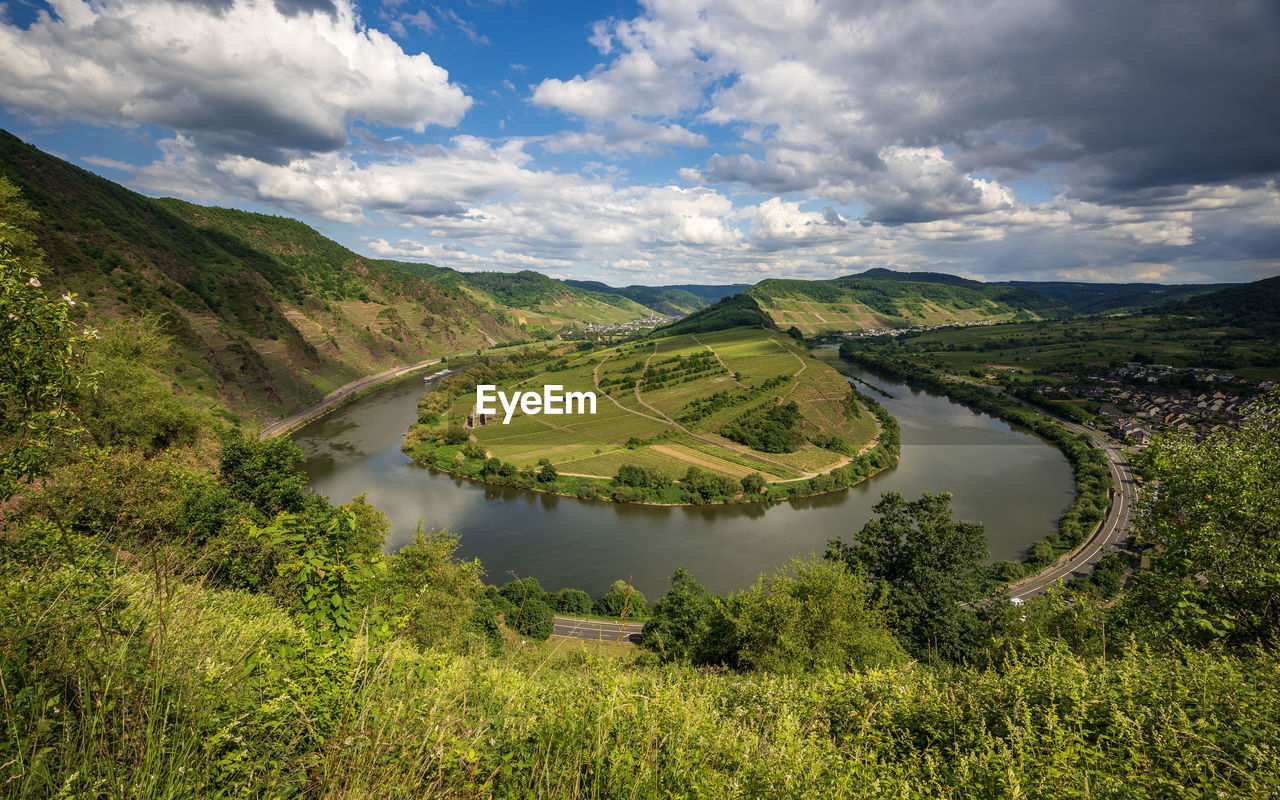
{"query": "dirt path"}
(732, 374)
(595, 377)
(736, 470)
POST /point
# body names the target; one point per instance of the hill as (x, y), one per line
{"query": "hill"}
(1101, 298)
(710, 292)
(736, 311)
(265, 312)
(1252, 306)
(534, 301)
(668, 300)
(875, 299)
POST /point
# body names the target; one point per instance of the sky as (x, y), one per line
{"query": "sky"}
(675, 141)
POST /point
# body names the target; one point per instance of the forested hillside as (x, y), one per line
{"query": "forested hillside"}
(1101, 298)
(265, 313)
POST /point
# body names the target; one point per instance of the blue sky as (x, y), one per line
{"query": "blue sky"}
(677, 142)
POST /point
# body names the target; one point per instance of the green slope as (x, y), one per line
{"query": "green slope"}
(667, 300)
(1251, 306)
(265, 312)
(1100, 298)
(890, 300)
(739, 310)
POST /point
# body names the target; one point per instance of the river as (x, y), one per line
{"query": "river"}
(1006, 478)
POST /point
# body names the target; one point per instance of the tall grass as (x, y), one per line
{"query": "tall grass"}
(133, 685)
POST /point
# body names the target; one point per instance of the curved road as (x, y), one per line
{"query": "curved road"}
(1110, 536)
(337, 395)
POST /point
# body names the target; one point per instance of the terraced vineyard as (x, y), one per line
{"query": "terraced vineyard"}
(733, 404)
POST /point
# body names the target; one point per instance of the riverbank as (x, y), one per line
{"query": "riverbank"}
(339, 397)
(1100, 509)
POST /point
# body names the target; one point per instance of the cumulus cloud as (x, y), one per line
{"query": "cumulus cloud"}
(628, 136)
(1117, 96)
(252, 77)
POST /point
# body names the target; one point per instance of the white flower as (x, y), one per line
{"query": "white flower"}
(68, 298)
(34, 282)
(89, 333)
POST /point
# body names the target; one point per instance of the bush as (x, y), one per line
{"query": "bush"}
(546, 472)
(621, 600)
(534, 619)
(571, 601)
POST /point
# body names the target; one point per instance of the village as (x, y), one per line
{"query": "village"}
(1136, 400)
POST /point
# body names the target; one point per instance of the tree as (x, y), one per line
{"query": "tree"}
(928, 565)
(622, 600)
(681, 619)
(1211, 521)
(753, 483)
(547, 473)
(571, 601)
(811, 615)
(534, 619)
(440, 592)
(261, 473)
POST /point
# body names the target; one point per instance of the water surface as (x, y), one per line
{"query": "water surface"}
(1013, 482)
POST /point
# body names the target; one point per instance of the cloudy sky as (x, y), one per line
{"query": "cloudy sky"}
(676, 141)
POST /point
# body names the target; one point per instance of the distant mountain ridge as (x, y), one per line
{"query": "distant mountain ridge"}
(268, 314)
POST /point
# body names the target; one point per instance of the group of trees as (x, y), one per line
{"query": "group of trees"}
(529, 610)
(906, 584)
(769, 428)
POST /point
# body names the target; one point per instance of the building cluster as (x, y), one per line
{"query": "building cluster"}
(913, 329)
(651, 321)
(1139, 400)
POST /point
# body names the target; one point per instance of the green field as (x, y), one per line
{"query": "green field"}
(662, 404)
(1089, 343)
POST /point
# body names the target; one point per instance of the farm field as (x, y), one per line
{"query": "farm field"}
(1043, 348)
(662, 404)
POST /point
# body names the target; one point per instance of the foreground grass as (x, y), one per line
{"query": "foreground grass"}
(179, 691)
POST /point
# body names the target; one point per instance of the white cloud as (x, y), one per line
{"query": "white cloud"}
(246, 78)
(628, 136)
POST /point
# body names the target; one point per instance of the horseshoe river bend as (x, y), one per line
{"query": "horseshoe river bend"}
(1014, 483)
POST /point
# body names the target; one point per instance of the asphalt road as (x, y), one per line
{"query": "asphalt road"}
(290, 422)
(597, 630)
(1108, 538)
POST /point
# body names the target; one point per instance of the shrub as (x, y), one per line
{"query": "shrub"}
(571, 601)
(534, 619)
(621, 600)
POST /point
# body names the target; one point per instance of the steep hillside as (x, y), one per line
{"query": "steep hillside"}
(668, 300)
(739, 310)
(265, 312)
(889, 300)
(539, 300)
(1100, 298)
(1251, 306)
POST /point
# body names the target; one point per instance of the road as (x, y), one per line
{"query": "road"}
(1110, 535)
(336, 396)
(598, 630)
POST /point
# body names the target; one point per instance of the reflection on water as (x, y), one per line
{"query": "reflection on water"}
(1011, 481)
